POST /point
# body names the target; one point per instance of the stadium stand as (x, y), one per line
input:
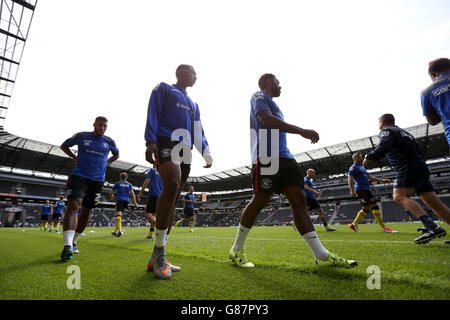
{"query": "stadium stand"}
(32, 172)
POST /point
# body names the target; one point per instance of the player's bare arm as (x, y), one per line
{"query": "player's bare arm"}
(133, 195)
(375, 179)
(144, 185)
(113, 158)
(351, 185)
(317, 193)
(69, 152)
(433, 119)
(151, 152)
(268, 120)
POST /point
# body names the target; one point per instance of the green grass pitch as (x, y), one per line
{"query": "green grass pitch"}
(115, 268)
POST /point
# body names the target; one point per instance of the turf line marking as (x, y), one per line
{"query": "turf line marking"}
(269, 239)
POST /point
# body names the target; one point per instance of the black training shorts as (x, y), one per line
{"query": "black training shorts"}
(150, 207)
(312, 203)
(188, 212)
(165, 147)
(287, 175)
(56, 216)
(366, 197)
(86, 189)
(121, 205)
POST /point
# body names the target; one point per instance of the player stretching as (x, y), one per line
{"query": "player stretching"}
(154, 183)
(311, 201)
(47, 209)
(172, 113)
(357, 175)
(413, 174)
(123, 189)
(189, 200)
(57, 212)
(86, 180)
(284, 175)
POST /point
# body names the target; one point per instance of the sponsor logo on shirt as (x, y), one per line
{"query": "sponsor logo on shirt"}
(87, 143)
(259, 96)
(180, 105)
(441, 90)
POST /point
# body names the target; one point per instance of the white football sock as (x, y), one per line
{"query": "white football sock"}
(316, 246)
(241, 237)
(160, 237)
(166, 238)
(75, 237)
(68, 237)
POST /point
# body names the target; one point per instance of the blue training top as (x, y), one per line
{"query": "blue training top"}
(260, 101)
(170, 109)
(360, 176)
(400, 149)
(46, 209)
(155, 186)
(189, 196)
(92, 155)
(436, 100)
(59, 206)
(308, 182)
(123, 189)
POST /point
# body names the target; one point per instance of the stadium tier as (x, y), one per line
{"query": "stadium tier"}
(32, 172)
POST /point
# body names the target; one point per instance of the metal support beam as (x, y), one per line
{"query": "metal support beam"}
(24, 4)
(6, 79)
(9, 34)
(9, 60)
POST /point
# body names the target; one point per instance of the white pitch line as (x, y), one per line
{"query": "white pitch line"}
(322, 240)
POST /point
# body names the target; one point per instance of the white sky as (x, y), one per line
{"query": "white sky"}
(341, 64)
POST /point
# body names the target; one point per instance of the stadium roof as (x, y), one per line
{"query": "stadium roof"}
(17, 153)
(15, 21)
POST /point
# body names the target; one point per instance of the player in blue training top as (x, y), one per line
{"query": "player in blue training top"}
(413, 174)
(57, 213)
(86, 180)
(123, 189)
(189, 214)
(154, 183)
(173, 126)
(47, 210)
(436, 98)
(359, 184)
(311, 202)
(275, 170)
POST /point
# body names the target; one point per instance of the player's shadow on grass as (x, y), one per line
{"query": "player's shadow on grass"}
(47, 260)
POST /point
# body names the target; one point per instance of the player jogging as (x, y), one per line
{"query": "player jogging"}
(123, 189)
(86, 180)
(436, 98)
(311, 202)
(173, 127)
(359, 184)
(154, 183)
(278, 173)
(47, 210)
(404, 155)
(189, 201)
(57, 213)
